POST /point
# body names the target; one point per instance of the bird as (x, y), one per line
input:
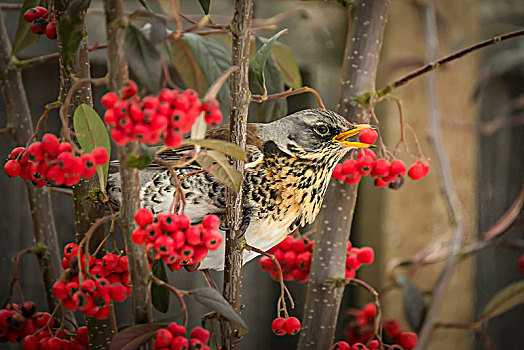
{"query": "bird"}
(289, 166)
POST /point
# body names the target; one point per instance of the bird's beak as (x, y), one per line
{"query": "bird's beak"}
(344, 136)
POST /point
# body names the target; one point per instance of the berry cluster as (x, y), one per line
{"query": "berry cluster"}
(360, 330)
(40, 23)
(27, 325)
(342, 345)
(174, 337)
(282, 326)
(294, 257)
(173, 239)
(62, 339)
(386, 174)
(153, 119)
(107, 279)
(50, 161)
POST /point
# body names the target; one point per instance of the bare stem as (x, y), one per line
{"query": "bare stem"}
(178, 293)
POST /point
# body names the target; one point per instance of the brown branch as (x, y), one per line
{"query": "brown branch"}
(450, 193)
(31, 62)
(20, 127)
(436, 64)
(239, 92)
(329, 253)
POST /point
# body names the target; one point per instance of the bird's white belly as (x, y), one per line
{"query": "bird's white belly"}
(262, 234)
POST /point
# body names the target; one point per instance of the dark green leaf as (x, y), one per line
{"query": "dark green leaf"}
(133, 337)
(91, 132)
(506, 299)
(223, 146)
(71, 28)
(140, 162)
(211, 298)
(159, 294)
(271, 109)
(205, 5)
(260, 59)
(412, 303)
(218, 165)
(24, 36)
(214, 59)
(143, 58)
(187, 67)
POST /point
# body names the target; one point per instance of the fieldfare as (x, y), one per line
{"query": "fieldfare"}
(289, 166)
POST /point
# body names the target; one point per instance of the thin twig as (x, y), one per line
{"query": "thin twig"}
(177, 292)
(450, 193)
(31, 62)
(453, 56)
(262, 98)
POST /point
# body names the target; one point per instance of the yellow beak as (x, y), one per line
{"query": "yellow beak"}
(355, 131)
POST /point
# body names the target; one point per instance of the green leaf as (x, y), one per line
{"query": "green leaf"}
(205, 5)
(412, 303)
(217, 164)
(287, 64)
(71, 28)
(260, 59)
(211, 298)
(24, 36)
(91, 132)
(214, 59)
(133, 337)
(271, 109)
(225, 147)
(187, 67)
(159, 294)
(143, 58)
(505, 299)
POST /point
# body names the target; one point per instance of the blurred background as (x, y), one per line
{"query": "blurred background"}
(481, 97)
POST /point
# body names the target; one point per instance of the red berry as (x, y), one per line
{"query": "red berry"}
(109, 99)
(416, 171)
(81, 335)
(54, 344)
(193, 236)
(89, 166)
(12, 168)
(110, 261)
(364, 165)
(292, 325)
(380, 182)
(42, 11)
(129, 90)
(211, 239)
(42, 319)
(277, 326)
(100, 156)
(138, 236)
(123, 263)
(179, 343)
(211, 221)
(176, 329)
(168, 222)
(408, 340)
(370, 310)
(164, 245)
(200, 333)
(341, 345)
(118, 292)
(39, 25)
(144, 217)
(366, 255)
(366, 152)
(373, 345)
(196, 344)
(50, 31)
(50, 144)
(163, 338)
(397, 167)
(349, 167)
(31, 15)
(368, 136)
(30, 343)
(381, 167)
(60, 290)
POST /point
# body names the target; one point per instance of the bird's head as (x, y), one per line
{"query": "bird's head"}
(313, 134)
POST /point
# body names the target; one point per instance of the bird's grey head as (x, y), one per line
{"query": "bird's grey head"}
(314, 134)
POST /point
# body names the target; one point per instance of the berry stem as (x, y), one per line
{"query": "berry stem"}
(177, 292)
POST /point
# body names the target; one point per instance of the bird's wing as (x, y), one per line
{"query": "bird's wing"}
(204, 193)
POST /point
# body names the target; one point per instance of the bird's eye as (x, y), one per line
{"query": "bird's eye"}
(322, 129)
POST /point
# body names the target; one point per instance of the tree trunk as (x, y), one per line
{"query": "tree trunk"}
(323, 297)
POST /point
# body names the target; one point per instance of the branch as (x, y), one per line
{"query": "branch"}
(178, 293)
(265, 97)
(31, 62)
(239, 91)
(138, 264)
(20, 127)
(436, 64)
(450, 193)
